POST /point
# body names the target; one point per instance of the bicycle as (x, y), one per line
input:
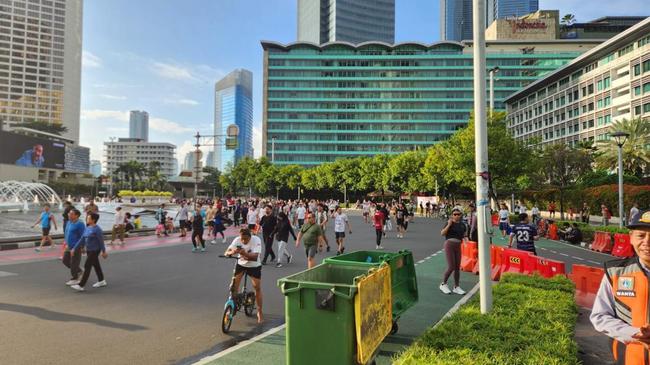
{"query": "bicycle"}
(244, 299)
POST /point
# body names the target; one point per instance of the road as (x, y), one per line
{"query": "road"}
(162, 305)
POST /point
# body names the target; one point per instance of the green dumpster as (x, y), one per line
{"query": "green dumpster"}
(403, 281)
(319, 312)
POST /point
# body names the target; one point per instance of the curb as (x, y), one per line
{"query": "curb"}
(31, 242)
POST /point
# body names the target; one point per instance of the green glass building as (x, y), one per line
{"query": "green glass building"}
(340, 100)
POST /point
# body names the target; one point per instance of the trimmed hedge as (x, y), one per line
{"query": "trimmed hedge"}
(532, 322)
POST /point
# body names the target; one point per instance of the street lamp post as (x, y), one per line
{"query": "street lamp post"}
(481, 152)
(493, 71)
(273, 150)
(620, 138)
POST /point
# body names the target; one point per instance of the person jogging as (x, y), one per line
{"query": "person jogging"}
(46, 220)
(340, 222)
(182, 219)
(378, 223)
(282, 231)
(73, 232)
(197, 230)
(268, 223)
(454, 232)
(93, 240)
(524, 234)
(312, 236)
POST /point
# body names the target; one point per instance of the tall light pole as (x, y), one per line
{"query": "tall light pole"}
(481, 151)
(620, 138)
(229, 140)
(273, 150)
(493, 71)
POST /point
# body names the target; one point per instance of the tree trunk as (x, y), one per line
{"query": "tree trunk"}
(562, 203)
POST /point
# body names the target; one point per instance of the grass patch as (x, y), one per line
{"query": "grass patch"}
(532, 322)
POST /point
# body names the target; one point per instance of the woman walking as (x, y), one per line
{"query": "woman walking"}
(219, 227)
(454, 232)
(93, 240)
(197, 230)
(281, 232)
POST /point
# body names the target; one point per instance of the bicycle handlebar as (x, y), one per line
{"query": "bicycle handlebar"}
(228, 257)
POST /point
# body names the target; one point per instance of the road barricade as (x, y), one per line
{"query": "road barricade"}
(469, 255)
(622, 245)
(602, 242)
(496, 258)
(518, 261)
(549, 268)
(587, 280)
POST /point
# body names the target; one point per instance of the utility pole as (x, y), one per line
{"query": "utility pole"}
(273, 150)
(216, 140)
(481, 151)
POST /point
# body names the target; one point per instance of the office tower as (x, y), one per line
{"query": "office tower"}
(209, 160)
(95, 168)
(233, 104)
(40, 66)
(455, 20)
(189, 162)
(499, 9)
(128, 149)
(322, 21)
(139, 125)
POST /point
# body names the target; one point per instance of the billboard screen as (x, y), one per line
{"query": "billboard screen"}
(28, 151)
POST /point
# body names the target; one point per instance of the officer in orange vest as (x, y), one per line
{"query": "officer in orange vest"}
(622, 306)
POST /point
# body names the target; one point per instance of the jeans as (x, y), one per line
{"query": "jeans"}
(268, 247)
(379, 233)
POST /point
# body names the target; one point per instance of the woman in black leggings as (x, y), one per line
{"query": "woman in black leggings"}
(454, 233)
(197, 230)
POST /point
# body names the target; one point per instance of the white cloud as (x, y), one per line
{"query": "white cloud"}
(173, 72)
(113, 97)
(586, 11)
(167, 126)
(157, 124)
(257, 142)
(89, 60)
(183, 149)
(182, 101)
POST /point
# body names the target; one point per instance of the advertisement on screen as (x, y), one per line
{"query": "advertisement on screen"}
(27, 151)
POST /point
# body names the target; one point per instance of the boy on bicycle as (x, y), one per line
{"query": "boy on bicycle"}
(249, 249)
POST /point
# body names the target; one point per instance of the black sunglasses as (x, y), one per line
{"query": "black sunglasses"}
(456, 214)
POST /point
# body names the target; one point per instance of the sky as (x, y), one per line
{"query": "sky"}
(164, 56)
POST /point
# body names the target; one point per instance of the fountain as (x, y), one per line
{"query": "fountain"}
(17, 195)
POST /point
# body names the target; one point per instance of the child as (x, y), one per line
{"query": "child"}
(46, 220)
(93, 240)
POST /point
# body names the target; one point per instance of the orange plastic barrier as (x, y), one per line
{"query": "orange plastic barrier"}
(552, 232)
(549, 268)
(587, 280)
(497, 261)
(469, 255)
(517, 261)
(602, 242)
(495, 219)
(622, 245)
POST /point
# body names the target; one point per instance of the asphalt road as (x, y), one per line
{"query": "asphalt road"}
(162, 305)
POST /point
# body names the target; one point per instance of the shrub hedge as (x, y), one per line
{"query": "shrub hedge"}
(532, 322)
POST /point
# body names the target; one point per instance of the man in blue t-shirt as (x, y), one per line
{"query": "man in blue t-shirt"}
(524, 234)
(73, 232)
(45, 220)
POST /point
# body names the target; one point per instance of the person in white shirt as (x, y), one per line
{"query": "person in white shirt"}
(504, 221)
(340, 222)
(365, 206)
(249, 249)
(300, 215)
(118, 225)
(182, 219)
(252, 217)
(535, 213)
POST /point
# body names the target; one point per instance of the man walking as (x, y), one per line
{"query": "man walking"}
(321, 220)
(340, 222)
(118, 225)
(584, 213)
(524, 234)
(46, 220)
(300, 215)
(73, 232)
(268, 223)
(93, 240)
(182, 219)
(313, 236)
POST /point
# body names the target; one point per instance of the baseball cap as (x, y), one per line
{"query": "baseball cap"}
(643, 222)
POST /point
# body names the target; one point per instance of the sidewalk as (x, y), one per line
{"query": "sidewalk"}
(431, 308)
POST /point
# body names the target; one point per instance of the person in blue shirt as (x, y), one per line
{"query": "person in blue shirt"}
(73, 231)
(32, 158)
(524, 234)
(93, 240)
(46, 220)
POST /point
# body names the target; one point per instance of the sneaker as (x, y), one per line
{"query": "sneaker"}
(193, 249)
(278, 265)
(121, 243)
(100, 284)
(72, 282)
(289, 259)
(380, 247)
(77, 287)
(202, 249)
(444, 289)
(213, 242)
(223, 240)
(37, 249)
(458, 290)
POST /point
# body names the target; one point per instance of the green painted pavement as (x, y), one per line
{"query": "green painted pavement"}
(431, 307)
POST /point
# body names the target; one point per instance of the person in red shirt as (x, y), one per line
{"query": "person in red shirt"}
(551, 209)
(378, 223)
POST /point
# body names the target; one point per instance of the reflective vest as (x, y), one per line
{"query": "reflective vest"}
(630, 288)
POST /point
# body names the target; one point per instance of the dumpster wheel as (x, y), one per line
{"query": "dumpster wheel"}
(395, 328)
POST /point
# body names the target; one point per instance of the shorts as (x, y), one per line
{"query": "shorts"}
(365, 214)
(210, 223)
(251, 227)
(311, 250)
(253, 272)
(45, 231)
(400, 222)
(339, 235)
(503, 226)
(182, 223)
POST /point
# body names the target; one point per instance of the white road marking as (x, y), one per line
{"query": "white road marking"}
(553, 251)
(542, 248)
(419, 262)
(240, 345)
(563, 254)
(4, 274)
(577, 258)
(594, 262)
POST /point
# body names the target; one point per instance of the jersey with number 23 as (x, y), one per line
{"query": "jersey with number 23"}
(524, 236)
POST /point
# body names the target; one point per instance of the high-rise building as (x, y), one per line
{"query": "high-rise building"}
(209, 160)
(127, 149)
(456, 22)
(233, 104)
(322, 21)
(40, 63)
(95, 168)
(581, 100)
(139, 125)
(338, 100)
(189, 161)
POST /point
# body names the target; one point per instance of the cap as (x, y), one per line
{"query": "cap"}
(643, 222)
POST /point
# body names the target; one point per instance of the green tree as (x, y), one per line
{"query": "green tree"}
(405, 172)
(53, 128)
(636, 150)
(131, 171)
(567, 20)
(212, 178)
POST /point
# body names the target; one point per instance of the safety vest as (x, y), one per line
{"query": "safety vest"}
(630, 288)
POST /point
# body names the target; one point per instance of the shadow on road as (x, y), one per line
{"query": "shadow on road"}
(49, 315)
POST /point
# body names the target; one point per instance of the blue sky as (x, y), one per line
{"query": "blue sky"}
(164, 56)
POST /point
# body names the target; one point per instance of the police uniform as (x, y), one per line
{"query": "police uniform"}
(622, 305)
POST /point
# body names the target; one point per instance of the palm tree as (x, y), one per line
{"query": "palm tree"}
(132, 170)
(636, 150)
(567, 20)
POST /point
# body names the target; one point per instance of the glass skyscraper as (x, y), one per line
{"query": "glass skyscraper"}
(233, 104)
(498, 9)
(139, 125)
(337, 100)
(354, 21)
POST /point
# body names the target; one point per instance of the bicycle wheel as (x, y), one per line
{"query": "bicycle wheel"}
(226, 321)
